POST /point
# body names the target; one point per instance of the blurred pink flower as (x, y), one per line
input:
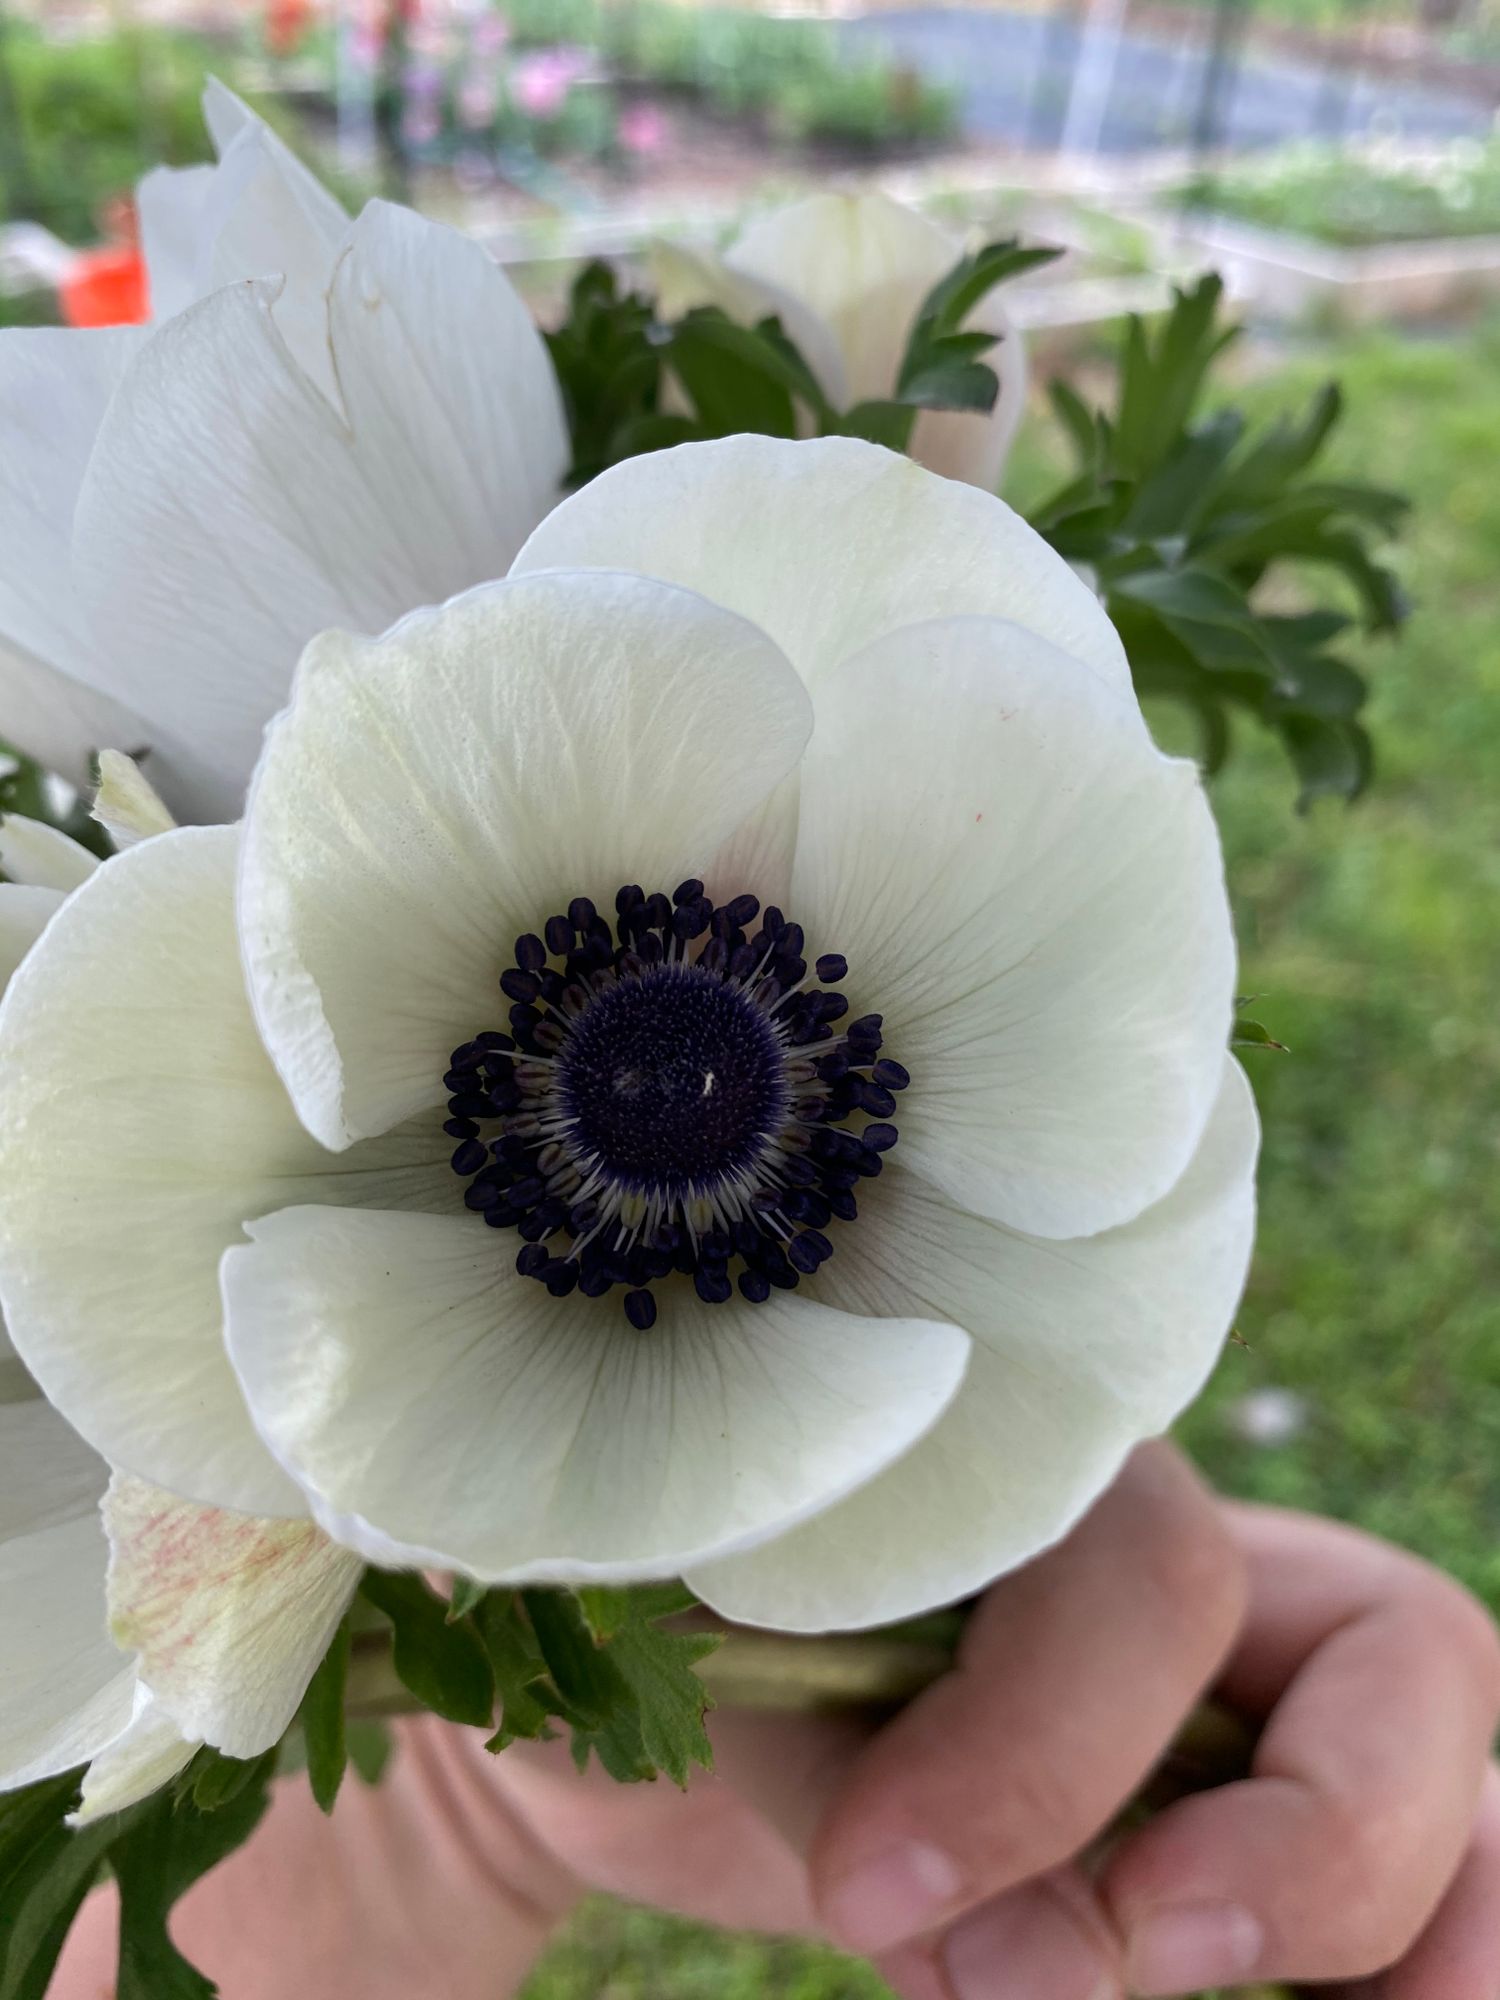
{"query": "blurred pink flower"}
(643, 129)
(540, 83)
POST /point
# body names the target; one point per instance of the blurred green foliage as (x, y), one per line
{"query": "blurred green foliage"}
(86, 118)
(1352, 199)
(795, 74)
(1371, 936)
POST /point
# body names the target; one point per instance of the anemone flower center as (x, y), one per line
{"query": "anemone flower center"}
(675, 1095)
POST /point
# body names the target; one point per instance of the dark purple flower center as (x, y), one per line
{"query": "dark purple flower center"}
(674, 1095)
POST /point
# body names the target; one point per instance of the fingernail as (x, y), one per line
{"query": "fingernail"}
(1196, 1945)
(1028, 1947)
(897, 1895)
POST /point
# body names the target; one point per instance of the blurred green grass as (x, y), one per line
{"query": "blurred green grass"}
(1373, 935)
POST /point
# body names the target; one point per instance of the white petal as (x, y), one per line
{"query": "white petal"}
(229, 1615)
(863, 263)
(1033, 897)
(430, 796)
(146, 1754)
(66, 1689)
(826, 545)
(229, 513)
(126, 804)
(450, 394)
(140, 1124)
(39, 856)
(24, 915)
(440, 1409)
(169, 206)
(264, 215)
(1081, 1350)
(55, 385)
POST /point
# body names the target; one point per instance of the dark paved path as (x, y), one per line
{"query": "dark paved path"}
(1015, 72)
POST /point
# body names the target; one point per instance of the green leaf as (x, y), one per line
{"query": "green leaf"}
(526, 1707)
(370, 1747)
(323, 1724)
(881, 421)
(46, 1870)
(945, 384)
(1332, 759)
(627, 1682)
(211, 1780)
(161, 1855)
(734, 377)
(445, 1666)
(1250, 1034)
(464, 1596)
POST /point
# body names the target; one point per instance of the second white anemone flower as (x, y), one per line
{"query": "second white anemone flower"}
(331, 422)
(847, 275)
(608, 927)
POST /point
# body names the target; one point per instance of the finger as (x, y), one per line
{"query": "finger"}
(1457, 1957)
(1329, 1860)
(1047, 1940)
(1073, 1674)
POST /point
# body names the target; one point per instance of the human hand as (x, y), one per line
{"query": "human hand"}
(1367, 1835)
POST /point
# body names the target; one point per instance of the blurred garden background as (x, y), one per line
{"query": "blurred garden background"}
(1338, 161)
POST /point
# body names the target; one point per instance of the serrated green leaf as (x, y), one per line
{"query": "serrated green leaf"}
(445, 1666)
(656, 1666)
(323, 1723)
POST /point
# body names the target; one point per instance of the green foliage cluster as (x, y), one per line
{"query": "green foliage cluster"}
(83, 119)
(1193, 527)
(1189, 525)
(1336, 195)
(600, 1662)
(615, 359)
(796, 75)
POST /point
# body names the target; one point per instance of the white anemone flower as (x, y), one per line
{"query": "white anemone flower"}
(330, 423)
(131, 1639)
(847, 275)
(606, 928)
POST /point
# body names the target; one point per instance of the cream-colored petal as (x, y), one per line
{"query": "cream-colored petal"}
(684, 276)
(431, 795)
(863, 263)
(826, 545)
(1033, 898)
(24, 915)
(147, 1754)
(40, 856)
(1081, 1350)
(440, 1409)
(141, 1123)
(227, 1614)
(126, 804)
